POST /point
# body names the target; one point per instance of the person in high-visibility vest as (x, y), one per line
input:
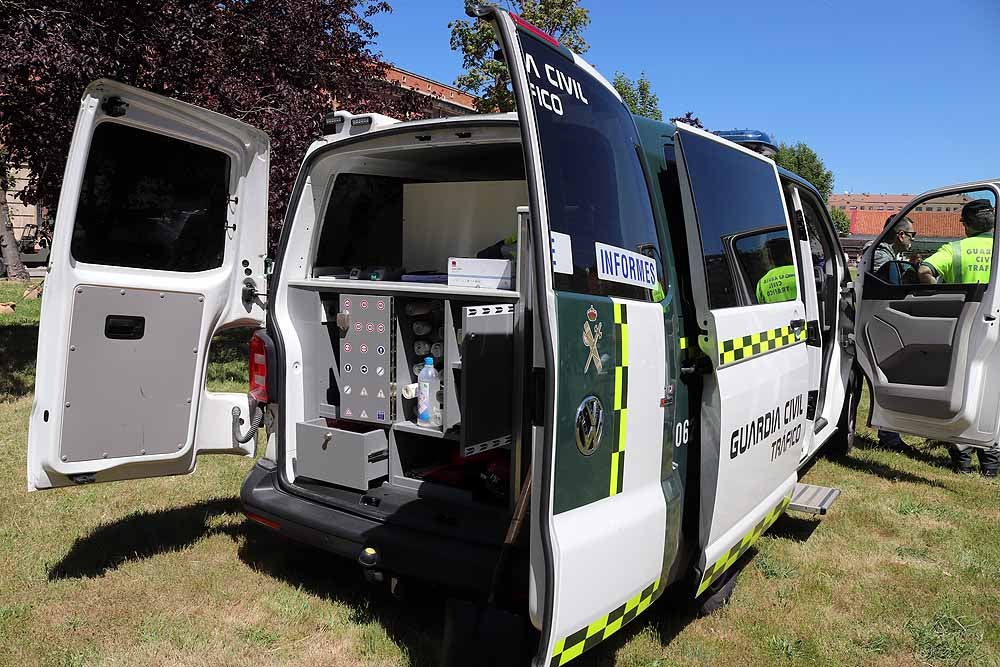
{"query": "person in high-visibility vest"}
(967, 261)
(778, 284)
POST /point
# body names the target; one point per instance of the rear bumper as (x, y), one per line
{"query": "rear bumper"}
(449, 562)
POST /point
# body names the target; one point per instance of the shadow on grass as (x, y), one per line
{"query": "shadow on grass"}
(18, 345)
(795, 528)
(924, 454)
(415, 624)
(143, 535)
(885, 471)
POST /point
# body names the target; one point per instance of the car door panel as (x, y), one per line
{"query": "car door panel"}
(929, 350)
(753, 413)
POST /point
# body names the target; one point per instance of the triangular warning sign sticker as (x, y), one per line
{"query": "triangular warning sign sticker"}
(381, 394)
(364, 415)
(347, 412)
(364, 391)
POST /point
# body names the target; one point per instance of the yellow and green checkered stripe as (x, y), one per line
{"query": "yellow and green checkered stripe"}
(737, 349)
(590, 636)
(726, 561)
(621, 401)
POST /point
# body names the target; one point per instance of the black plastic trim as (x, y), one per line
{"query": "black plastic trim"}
(876, 289)
(453, 563)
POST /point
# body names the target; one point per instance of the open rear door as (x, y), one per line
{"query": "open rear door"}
(161, 225)
(926, 329)
(748, 300)
(598, 507)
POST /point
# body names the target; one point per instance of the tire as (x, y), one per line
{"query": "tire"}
(842, 442)
(718, 593)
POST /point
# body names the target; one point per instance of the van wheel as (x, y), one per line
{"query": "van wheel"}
(718, 593)
(842, 442)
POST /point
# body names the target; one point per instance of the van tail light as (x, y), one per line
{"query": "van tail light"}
(261, 352)
(256, 518)
(536, 31)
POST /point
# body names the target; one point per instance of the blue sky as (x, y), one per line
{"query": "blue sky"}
(894, 96)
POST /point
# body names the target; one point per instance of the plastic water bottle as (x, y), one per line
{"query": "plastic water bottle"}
(427, 394)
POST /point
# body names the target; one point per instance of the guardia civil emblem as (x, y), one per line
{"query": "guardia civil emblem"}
(591, 336)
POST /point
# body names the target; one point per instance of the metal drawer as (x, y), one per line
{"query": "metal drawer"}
(336, 456)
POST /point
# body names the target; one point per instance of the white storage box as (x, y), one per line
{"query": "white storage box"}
(486, 273)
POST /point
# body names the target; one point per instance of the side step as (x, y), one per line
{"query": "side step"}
(813, 499)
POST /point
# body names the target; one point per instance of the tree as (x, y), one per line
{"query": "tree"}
(841, 221)
(803, 161)
(275, 64)
(638, 95)
(689, 119)
(9, 251)
(488, 78)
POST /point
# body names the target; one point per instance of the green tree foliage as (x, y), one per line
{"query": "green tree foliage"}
(638, 95)
(803, 161)
(841, 221)
(486, 77)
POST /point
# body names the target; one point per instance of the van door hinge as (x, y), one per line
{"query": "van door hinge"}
(811, 404)
(800, 225)
(812, 333)
(668, 396)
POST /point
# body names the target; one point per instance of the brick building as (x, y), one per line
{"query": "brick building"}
(446, 100)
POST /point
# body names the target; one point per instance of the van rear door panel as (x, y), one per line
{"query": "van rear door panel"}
(161, 219)
(600, 510)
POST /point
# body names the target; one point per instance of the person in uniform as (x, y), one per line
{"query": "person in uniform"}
(967, 261)
(778, 284)
(896, 244)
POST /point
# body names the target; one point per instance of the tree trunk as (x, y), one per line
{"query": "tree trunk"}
(8, 246)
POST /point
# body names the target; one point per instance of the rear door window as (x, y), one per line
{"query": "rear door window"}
(149, 201)
(595, 185)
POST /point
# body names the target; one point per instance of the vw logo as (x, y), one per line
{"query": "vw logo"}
(589, 425)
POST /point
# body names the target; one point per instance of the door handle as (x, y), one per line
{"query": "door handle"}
(797, 325)
(124, 327)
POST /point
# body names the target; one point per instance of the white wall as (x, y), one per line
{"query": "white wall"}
(442, 220)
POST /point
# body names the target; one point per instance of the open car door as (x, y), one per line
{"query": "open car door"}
(598, 507)
(746, 284)
(159, 243)
(926, 326)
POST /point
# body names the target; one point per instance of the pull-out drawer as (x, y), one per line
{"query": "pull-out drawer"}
(336, 456)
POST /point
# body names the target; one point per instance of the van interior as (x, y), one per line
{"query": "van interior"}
(377, 295)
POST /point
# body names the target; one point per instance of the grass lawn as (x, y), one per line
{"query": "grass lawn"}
(904, 571)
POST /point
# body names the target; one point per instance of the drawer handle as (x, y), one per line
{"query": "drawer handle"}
(327, 437)
(380, 455)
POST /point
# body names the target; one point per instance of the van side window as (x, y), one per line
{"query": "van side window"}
(594, 182)
(744, 233)
(149, 201)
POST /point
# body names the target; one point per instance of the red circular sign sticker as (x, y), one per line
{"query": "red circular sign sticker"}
(381, 327)
(364, 349)
(347, 303)
(357, 326)
(380, 304)
(364, 304)
(370, 327)
(347, 347)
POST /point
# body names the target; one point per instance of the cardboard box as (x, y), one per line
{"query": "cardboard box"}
(484, 273)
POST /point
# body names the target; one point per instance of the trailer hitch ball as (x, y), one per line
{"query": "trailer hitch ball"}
(368, 558)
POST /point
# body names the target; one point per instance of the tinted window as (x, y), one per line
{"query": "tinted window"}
(736, 196)
(594, 183)
(151, 202)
